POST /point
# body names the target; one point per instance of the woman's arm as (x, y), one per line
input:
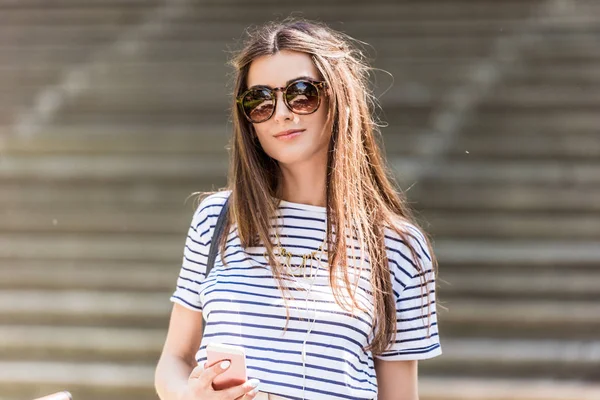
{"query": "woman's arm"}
(397, 380)
(178, 356)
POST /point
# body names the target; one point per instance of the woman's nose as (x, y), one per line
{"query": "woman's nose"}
(282, 112)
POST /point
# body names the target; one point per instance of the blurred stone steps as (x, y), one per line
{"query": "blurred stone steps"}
(523, 196)
(52, 275)
(544, 97)
(520, 281)
(153, 118)
(459, 388)
(85, 380)
(100, 309)
(51, 194)
(522, 251)
(16, 79)
(14, 100)
(466, 317)
(141, 100)
(515, 225)
(56, 54)
(577, 146)
(77, 246)
(96, 221)
(112, 168)
(80, 344)
(529, 121)
(517, 172)
(568, 359)
(365, 22)
(75, 16)
(551, 74)
(430, 14)
(37, 4)
(424, 11)
(40, 35)
(180, 141)
(582, 49)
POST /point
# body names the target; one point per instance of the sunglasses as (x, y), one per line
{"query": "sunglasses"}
(301, 96)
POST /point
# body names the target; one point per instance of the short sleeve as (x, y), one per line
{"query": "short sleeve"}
(195, 253)
(417, 336)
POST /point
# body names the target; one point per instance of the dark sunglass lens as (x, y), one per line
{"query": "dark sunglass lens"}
(303, 97)
(258, 105)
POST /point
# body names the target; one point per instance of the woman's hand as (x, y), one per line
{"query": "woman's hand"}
(199, 385)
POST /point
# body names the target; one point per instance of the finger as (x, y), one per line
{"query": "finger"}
(248, 388)
(250, 395)
(211, 373)
(196, 372)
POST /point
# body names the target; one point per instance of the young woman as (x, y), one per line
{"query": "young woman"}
(321, 315)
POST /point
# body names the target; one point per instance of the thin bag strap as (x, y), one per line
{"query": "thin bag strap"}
(214, 243)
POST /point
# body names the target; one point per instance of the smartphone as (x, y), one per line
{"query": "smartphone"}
(236, 374)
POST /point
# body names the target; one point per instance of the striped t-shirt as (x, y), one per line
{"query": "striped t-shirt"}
(243, 306)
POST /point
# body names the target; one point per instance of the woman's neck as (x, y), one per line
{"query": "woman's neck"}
(304, 183)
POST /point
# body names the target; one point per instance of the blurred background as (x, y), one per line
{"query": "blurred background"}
(112, 112)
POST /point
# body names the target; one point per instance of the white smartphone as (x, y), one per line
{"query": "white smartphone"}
(236, 374)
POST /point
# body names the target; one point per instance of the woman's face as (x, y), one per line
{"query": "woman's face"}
(311, 144)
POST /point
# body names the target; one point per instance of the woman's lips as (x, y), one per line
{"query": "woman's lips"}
(287, 135)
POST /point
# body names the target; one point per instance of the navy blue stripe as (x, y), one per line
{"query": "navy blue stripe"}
(307, 228)
(209, 241)
(316, 355)
(415, 329)
(188, 289)
(313, 378)
(421, 350)
(420, 285)
(420, 296)
(313, 366)
(288, 217)
(194, 262)
(287, 340)
(189, 280)
(283, 318)
(416, 339)
(401, 310)
(423, 273)
(279, 306)
(213, 280)
(415, 318)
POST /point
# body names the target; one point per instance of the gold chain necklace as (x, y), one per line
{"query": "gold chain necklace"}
(300, 270)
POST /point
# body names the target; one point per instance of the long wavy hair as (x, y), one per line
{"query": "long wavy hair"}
(360, 190)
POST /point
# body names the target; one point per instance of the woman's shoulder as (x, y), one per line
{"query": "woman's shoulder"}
(210, 206)
(404, 241)
(214, 199)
